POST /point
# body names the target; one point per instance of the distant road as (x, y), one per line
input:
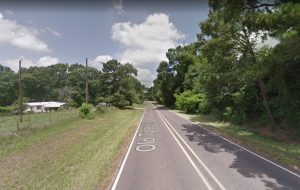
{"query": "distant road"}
(169, 152)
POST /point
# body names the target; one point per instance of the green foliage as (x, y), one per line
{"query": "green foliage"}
(86, 111)
(15, 106)
(119, 100)
(164, 84)
(100, 108)
(5, 110)
(171, 74)
(120, 87)
(116, 85)
(232, 72)
(190, 102)
(8, 86)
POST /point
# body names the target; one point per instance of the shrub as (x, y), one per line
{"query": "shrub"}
(119, 100)
(86, 111)
(100, 108)
(233, 115)
(204, 106)
(191, 102)
(5, 109)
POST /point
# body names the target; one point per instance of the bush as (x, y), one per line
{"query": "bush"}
(5, 109)
(119, 100)
(190, 102)
(86, 111)
(100, 108)
(232, 115)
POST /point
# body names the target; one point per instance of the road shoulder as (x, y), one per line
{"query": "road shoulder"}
(275, 151)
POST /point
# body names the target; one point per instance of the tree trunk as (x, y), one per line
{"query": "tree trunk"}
(265, 101)
(263, 90)
(248, 47)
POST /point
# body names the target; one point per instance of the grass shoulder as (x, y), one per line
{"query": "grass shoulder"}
(71, 154)
(285, 152)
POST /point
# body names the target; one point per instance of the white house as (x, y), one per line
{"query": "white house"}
(37, 107)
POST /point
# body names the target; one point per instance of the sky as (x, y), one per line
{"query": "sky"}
(135, 31)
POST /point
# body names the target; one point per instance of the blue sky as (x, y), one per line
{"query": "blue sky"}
(128, 32)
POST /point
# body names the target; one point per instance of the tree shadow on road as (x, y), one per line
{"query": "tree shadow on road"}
(272, 177)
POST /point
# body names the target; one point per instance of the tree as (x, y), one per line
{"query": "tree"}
(231, 67)
(8, 86)
(233, 23)
(119, 85)
(116, 85)
(179, 60)
(171, 74)
(165, 84)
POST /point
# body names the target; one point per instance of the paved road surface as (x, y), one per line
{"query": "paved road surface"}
(169, 152)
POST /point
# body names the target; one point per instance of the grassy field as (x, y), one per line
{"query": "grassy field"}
(283, 152)
(9, 123)
(69, 154)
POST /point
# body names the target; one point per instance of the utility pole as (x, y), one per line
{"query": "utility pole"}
(20, 91)
(86, 80)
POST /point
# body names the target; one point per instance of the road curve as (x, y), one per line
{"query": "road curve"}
(169, 152)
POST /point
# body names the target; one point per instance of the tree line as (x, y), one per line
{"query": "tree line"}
(244, 66)
(114, 84)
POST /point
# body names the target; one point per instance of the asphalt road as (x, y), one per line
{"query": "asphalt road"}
(169, 152)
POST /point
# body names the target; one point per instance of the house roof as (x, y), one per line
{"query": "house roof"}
(46, 104)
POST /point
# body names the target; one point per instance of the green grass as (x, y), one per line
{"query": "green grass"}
(138, 106)
(143, 105)
(70, 154)
(284, 152)
(9, 123)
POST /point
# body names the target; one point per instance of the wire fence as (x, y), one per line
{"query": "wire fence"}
(11, 123)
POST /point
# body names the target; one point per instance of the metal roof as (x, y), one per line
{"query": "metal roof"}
(46, 104)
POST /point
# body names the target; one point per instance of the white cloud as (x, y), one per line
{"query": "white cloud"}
(21, 36)
(146, 43)
(102, 58)
(14, 63)
(257, 38)
(53, 32)
(43, 61)
(145, 76)
(269, 42)
(46, 61)
(97, 62)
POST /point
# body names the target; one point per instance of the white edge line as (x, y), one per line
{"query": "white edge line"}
(188, 157)
(196, 156)
(287, 170)
(127, 153)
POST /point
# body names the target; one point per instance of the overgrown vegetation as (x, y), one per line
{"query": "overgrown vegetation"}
(191, 102)
(86, 111)
(244, 65)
